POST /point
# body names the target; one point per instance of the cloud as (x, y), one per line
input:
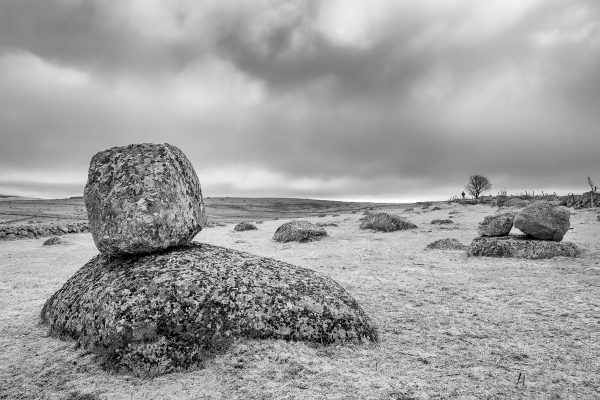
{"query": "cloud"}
(306, 98)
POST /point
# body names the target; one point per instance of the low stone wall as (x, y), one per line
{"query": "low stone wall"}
(8, 232)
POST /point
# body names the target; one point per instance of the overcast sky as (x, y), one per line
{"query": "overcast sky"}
(375, 100)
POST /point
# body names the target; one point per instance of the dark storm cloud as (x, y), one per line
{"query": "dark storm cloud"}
(306, 98)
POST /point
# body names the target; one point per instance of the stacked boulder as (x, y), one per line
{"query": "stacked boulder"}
(544, 225)
(154, 302)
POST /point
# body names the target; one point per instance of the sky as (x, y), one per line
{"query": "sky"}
(387, 100)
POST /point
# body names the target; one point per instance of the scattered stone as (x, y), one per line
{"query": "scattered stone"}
(245, 226)
(409, 209)
(54, 240)
(497, 225)
(386, 222)
(442, 222)
(446, 244)
(543, 220)
(299, 231)
(520, 247)
(170, 311)
(325, 224)
(143, 198)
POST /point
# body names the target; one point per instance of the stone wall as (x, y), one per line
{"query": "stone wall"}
(9, 232)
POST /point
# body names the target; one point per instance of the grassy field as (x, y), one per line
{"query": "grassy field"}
(452, 327)
(16, 211)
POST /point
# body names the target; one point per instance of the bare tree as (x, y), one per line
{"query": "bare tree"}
(593, 187)
(477, 184)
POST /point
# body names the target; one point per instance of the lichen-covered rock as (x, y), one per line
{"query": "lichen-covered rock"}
(170, 310)
(442, 222)
(299, 231)
(446, 244)
(543, 220)
(520, 247)
(245, 226)
(54, 240)
(496, 225)
(143, 198)
(385, 222)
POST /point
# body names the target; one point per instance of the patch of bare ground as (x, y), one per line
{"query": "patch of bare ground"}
(452, 327)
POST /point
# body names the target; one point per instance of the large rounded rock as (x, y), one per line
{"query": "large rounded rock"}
(496, 225)
(520, 247)
(299, 231)
(543, 220)
(143, 198)
(168, 311)
(385, 222)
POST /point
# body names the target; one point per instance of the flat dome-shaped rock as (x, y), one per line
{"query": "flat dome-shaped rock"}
(520, 247)
(446, 244)
(143, 198)
(299, 231)
(245, 226)
(496, 225)
(543, 220)
(168, 311)
(385, 222)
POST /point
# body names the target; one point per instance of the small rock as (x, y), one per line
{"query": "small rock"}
(442, 222)
(446, 244)
(54, 240)
(496, 225)
(386, 222)
(245, 226)
(298, 231)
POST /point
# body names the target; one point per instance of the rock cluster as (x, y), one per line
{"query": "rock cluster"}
(151, 310)
(8, 232)
(544, 225)
(385, 222)
(299, 231)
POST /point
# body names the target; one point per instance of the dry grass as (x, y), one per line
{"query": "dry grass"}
(451, 326)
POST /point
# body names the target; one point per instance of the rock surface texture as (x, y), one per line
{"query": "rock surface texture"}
(169, 311)
(496, 225)
(543, 220)
(299, 231)
(385, 222)
(520, 247)
(142, 198)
